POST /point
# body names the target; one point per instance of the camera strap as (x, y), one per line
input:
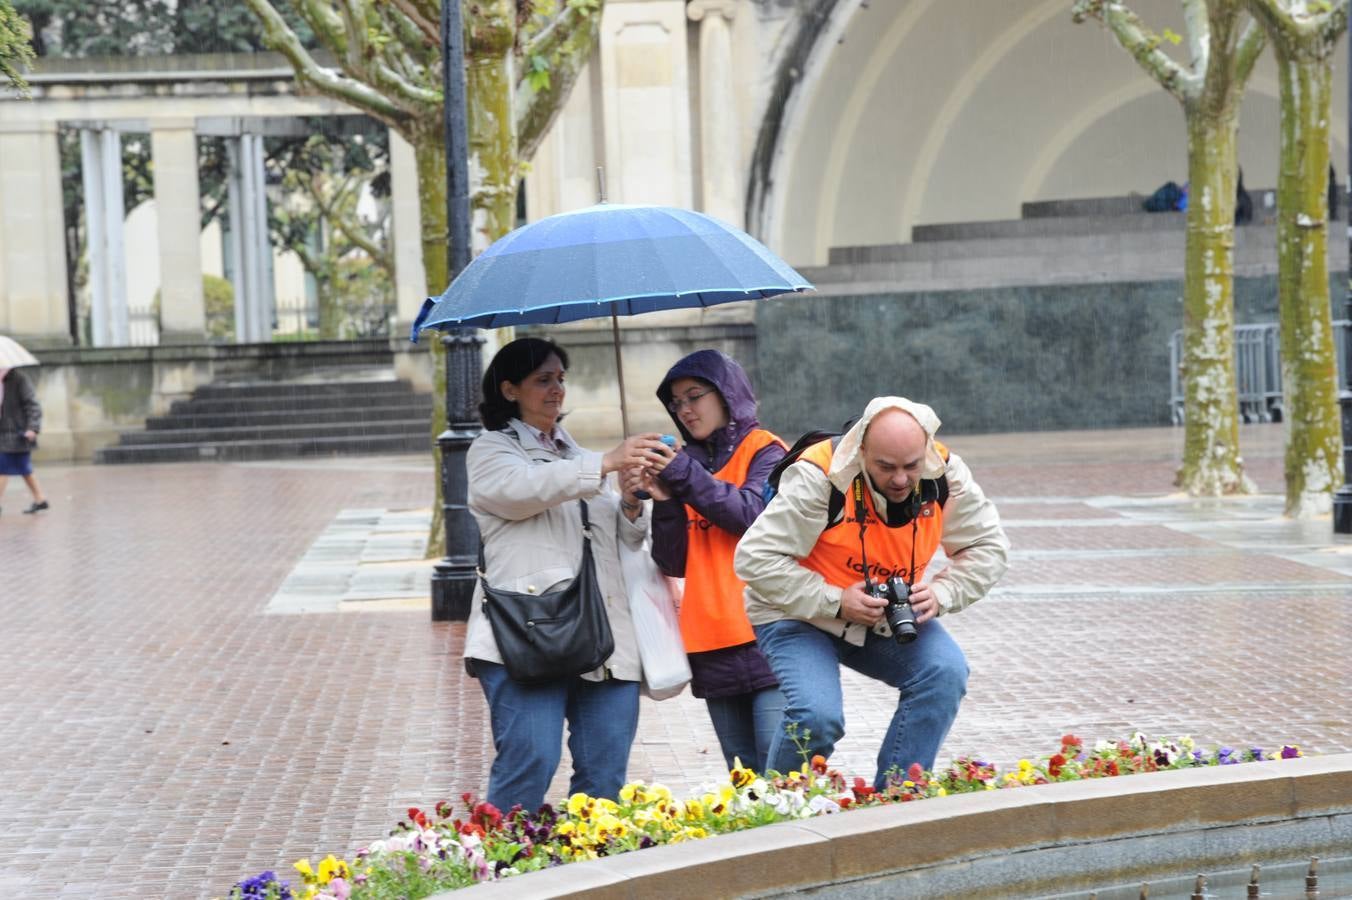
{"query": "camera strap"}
(861, 514)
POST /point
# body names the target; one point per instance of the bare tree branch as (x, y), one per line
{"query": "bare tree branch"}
(1251, 44)
(1199, 34)
(280, 36)
(327, 25)
(431, 30)
(568, 52)
(1142, 44)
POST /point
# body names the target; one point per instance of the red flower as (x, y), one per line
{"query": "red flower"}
(862, 790)
(1054, 765)
(819, 764)
(915, 773)
(444, 809)
(417, 817)
(486, 815)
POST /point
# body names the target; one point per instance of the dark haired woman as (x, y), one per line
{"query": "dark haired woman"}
(525, 475)
(705, 500)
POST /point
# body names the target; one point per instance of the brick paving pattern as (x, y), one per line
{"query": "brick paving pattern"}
(164, 736)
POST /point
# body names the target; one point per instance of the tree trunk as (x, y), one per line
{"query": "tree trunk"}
(1309, 376)
(430, 153)
(1211, 461)
(489, 88)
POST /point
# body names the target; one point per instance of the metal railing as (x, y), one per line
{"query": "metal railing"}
(1258, 370)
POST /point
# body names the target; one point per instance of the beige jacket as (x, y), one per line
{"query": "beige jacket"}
(778, 587)
(523, 495)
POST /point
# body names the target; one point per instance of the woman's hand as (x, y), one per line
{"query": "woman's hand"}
(30, 435)
(637, 479)
(642, 451)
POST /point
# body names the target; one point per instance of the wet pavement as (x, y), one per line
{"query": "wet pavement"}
(213, 669)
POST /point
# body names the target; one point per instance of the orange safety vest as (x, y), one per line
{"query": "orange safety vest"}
(837, 554)
(712, 612)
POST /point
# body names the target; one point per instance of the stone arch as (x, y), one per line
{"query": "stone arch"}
(933, 112)
(958, 98)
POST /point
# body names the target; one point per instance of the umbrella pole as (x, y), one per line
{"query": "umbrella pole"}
(619, 371)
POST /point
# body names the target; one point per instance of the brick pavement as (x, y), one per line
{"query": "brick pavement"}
(164, 736)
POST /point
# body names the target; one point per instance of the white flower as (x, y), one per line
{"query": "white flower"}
(821, 804)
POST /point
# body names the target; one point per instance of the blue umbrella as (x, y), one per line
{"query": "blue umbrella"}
(609, 260)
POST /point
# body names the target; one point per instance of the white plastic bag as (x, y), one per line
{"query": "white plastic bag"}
(666, 671)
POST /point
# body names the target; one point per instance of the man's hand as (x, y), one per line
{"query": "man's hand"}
(923, 603)
(857, 606)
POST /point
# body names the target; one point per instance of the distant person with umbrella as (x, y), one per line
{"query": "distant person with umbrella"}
(20, 422)
(704, 501)
(526, 476)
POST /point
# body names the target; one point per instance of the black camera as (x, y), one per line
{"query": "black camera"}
(900, 617)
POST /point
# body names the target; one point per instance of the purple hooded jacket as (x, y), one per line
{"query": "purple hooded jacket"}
(689, 478)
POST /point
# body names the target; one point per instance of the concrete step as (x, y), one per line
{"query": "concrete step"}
(416, 407)
(1093, 258)
(264, 449)
(1057, 227)
(248, 390)
(288, 402)
(1130, 205)
(420, 426)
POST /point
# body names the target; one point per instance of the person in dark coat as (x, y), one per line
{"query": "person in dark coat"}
(20, 422)
(703, 501)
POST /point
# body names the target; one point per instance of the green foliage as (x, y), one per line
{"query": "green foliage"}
(15, 51)
(1172, 36)
(78, 28)
(537, 72)
(220, 304)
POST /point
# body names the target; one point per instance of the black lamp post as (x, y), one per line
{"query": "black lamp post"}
(1342, 500)
(454, 577)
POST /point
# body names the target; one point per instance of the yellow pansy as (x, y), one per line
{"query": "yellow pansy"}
(331, 867)
(303, 867)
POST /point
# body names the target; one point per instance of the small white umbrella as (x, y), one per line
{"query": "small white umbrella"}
(13, 355)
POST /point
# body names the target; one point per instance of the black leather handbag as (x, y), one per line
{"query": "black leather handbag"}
(559, 634)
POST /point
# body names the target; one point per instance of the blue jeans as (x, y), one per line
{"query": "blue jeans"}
(527, 723)
(930, 675)
(746, 725)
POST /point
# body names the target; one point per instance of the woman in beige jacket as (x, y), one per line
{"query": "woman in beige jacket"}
(525, 475)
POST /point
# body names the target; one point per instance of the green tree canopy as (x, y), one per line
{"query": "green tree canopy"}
(15, 51)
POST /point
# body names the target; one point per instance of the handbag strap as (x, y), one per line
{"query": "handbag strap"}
(586, 540)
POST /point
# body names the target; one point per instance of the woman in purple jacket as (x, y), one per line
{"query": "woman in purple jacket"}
(703, 501)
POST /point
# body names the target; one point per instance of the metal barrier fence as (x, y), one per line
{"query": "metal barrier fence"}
(1258, 370)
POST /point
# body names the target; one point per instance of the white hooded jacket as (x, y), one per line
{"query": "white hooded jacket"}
(767, 559)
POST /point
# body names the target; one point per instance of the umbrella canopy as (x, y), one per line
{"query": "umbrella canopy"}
(13, 355)
(609, 259)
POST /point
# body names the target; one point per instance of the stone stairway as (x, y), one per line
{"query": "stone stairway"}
(1086, 241)
(278, 420)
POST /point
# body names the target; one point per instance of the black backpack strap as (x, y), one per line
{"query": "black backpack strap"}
(834, 507)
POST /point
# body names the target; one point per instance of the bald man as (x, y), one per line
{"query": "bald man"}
(817, 591)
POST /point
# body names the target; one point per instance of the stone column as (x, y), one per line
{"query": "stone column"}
(646, 99)
(33, 297)
(173, 147)
(720, 161)
(101, 170)
(250, 249)
(410, 279)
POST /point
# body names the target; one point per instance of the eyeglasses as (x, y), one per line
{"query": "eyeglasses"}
(679, 403)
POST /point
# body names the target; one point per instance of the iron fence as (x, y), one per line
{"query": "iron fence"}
(1258, 370)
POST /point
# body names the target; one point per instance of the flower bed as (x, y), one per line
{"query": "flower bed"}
(438, 850)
